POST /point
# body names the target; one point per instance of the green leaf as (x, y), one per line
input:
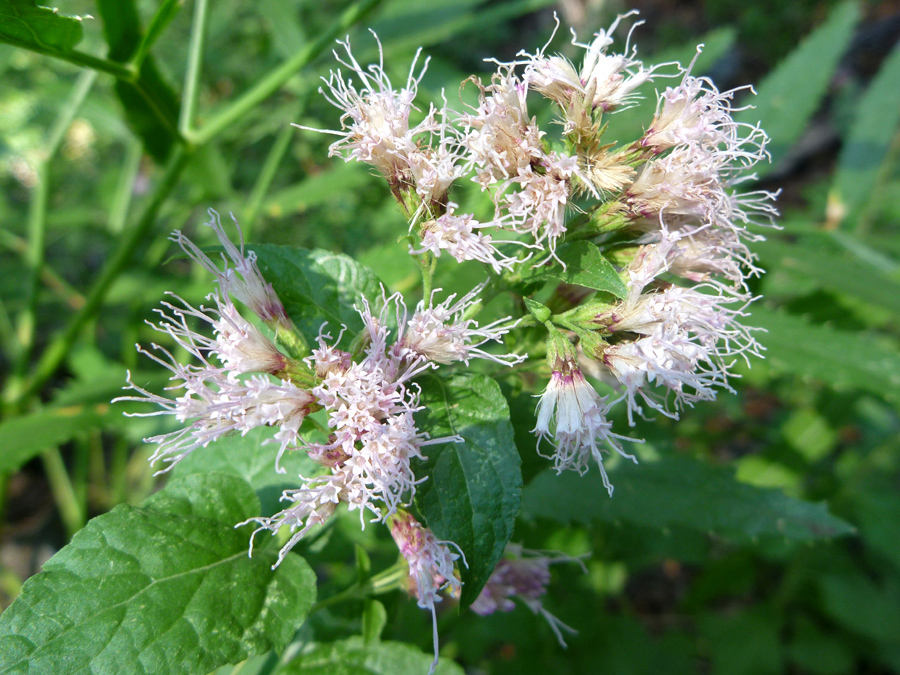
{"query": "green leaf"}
(473, 489)
(585, 266)
(677, 491)
(25, 24)
(249, 458)
(142, 590)
(150, 104)
(840, 359)
(354, 657)
(216, 496)
(867, 144)
(817, 256)
(373, 620)
(318, 287)
(861, 605)
(28, 436)
(790, 95)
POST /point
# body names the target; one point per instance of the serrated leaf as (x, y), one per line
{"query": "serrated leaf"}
(26, 24)
(584, 266)
(251, 459)
(677, 491)
(840, 359)
(141, 590)
(354, 657)
(816, 256)
(867, 144)
(318, 287)
(790, 95)
(473, 489)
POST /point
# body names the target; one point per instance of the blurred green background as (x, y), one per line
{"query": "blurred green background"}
(668, 590)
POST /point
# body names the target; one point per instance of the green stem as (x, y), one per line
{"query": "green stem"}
(275, 79)
(195, 61)
(58, 348)
(37, 220)
(118, 212)
(264, 180)
(118, 472)
(63, 492)
(383, 582)
(121, 71)
(427, 263)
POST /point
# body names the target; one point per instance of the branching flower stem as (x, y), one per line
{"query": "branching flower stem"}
(390, 579)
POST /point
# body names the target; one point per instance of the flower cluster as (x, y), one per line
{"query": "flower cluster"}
(666, 203)
(241, 380)
(663, 210)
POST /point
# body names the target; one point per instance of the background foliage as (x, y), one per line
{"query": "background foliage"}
(794, 568)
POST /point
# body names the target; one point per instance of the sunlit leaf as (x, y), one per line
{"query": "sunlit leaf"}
(163, 588)
(865, 148)
(27, 24)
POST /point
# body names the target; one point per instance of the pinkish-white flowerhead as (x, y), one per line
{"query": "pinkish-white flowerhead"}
(574, 417)
(440, 333)
(375, 124)
(525, 575)
(241, 278)
(430, 563)
(604, 81)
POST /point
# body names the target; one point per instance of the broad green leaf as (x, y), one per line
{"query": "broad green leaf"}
(318, 287)
(251, 458)
(676, 491)
(867, 144)
(150, 104)
(841, 359)
(354, 657)
(816, 256)
(121, 27)
(142, 590)
(26, 24)
(216, 496)
(473, 489)
(584, 266)
(790, 95)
